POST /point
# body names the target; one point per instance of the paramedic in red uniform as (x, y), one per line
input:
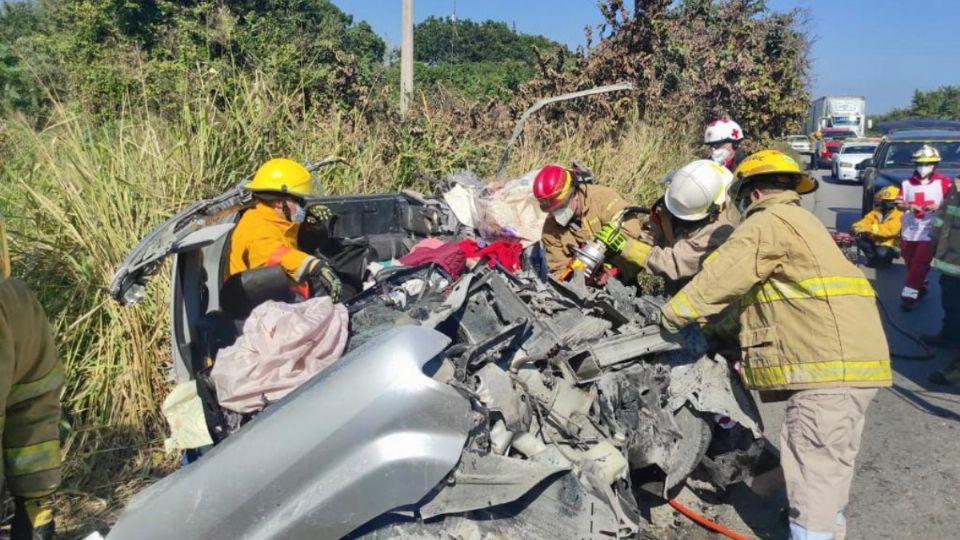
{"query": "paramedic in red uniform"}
(923, 193)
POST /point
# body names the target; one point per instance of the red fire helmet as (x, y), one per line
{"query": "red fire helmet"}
(553, 186)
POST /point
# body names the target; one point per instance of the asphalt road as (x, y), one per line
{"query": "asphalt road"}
(907, 482)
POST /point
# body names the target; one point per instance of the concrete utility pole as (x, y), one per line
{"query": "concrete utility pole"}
(406, 58)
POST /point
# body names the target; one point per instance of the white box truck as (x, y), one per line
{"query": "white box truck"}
(848, 112)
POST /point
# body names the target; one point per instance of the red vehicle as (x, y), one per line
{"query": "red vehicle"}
(832, 141)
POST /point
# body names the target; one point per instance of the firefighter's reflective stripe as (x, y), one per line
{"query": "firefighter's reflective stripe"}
(947, 268)
(681, 307)
(819, 287)
(817, 372)
(274, 260)
(637, 252)
(32, 459)
(29, 390)
(277, 255)
(710, 257)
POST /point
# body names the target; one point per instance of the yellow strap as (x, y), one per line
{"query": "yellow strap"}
(29, 390)
(773, 290)
(817, 372)
(31, 459)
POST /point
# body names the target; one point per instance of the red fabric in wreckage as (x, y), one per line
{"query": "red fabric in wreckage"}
(505, 252)
(448, 256)
(452, 256)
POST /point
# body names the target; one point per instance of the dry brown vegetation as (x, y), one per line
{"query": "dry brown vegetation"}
(81, 184)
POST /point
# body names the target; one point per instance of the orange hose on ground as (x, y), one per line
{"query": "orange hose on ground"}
(700, 520)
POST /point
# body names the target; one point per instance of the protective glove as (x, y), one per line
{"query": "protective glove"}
(323, 279)
(318, 214)
(33, 519)
(611, 236)
(665, 324)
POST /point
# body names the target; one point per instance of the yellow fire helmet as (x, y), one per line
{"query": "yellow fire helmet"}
(282, 176)
(889, 193)
(766, 162)
(926, 154)
(4, 254)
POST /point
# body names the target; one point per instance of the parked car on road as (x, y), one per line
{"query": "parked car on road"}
(851, 154)
(893, 161)
(799, 143)
(832, 141)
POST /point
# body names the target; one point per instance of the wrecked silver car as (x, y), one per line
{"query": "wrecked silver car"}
(495, 404)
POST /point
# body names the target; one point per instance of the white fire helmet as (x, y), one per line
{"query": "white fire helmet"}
(697, 190)
(722, 130)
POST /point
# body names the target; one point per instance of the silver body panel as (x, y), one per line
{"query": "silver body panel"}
(369, 435)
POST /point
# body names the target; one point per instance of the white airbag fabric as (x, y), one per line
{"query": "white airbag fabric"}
(282, 346)
(184, 413)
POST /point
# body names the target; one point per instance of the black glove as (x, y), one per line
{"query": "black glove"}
(324, 281)
(319, 214)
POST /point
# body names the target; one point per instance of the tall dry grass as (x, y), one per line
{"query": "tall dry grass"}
(79, 195)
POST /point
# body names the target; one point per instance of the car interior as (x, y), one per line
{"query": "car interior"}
(210, 308)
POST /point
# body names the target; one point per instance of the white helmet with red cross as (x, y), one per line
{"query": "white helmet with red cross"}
(722, 130)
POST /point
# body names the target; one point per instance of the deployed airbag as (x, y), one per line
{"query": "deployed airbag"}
(282, 346)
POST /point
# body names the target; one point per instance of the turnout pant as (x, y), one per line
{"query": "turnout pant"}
(819, 442)
(876, 255)
(918, 256)
(31, 377)
(950, 299)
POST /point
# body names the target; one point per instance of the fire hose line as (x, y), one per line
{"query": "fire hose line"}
(704, 522)
(927, 354)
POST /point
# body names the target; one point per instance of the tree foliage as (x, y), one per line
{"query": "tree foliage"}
(102, 52)
(704, 58)
(441, 40)
(941, 104)
(478, 59)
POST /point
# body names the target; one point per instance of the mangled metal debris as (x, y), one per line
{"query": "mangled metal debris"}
(575, 384)
(563, 397)
(497, 405)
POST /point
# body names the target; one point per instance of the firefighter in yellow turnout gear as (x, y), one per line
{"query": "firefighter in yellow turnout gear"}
(31, 378)
(809, 329)
(266, 234)
(692, 224)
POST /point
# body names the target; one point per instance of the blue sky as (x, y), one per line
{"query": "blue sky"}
(881, 49)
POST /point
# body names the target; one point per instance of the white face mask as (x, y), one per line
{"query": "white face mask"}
(721, 155)
(924, 170)
(563, 215)
(299, 215)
